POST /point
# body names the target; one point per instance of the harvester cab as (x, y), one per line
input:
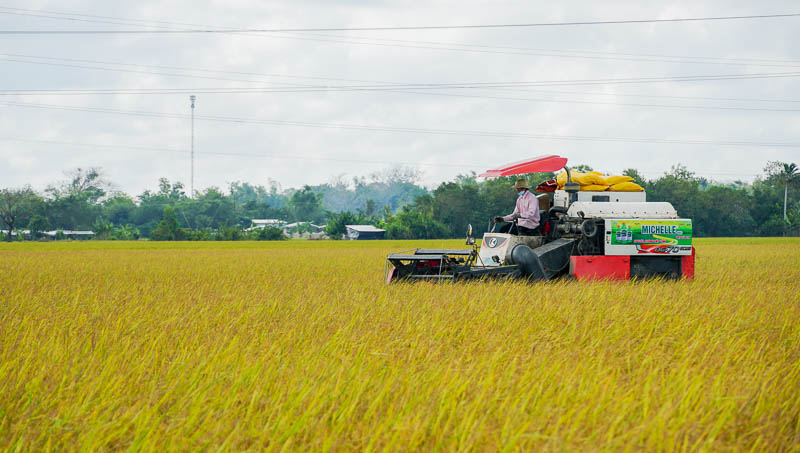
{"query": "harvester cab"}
(588, 234)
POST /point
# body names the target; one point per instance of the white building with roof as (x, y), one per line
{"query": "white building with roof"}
(362, 232)
(263, 223)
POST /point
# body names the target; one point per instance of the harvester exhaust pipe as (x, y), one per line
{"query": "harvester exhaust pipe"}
(570, 187)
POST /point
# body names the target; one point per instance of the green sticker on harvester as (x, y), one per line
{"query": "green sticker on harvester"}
(653, 236)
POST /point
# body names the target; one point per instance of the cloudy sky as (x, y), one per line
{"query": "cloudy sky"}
(304, 107)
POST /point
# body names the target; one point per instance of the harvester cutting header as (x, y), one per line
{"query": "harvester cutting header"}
(585, 225)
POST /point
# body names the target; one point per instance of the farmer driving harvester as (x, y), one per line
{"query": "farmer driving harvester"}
(526, 213)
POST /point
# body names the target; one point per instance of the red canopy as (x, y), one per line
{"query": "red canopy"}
(536, 165)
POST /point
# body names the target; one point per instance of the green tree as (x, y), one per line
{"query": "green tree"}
(255, 202)
(769, 193)
(371, 208)
(394, 187)
(168, 229)
(125, 233)
(102, 229)
(119, 209)
(581, 168)
(268, 233)
(38, 225)
(17, 206)
(211, 209)
(681, 188)
(151, 206)
(202, 234)
(229, 233)
(413, 224)
(727, 212)
(307, 206)
(637, 177)
(455, 205)
(336, 224)
(794, 221)
(75, 202)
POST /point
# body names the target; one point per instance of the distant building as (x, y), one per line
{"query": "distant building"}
(261, 223)
(66, 234)
(361, 232)
(71, 234)
(307, 227)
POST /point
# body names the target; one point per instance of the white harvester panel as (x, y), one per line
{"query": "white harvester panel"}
(595, 210)
(500, 245)
(561, 197)
(649, 237)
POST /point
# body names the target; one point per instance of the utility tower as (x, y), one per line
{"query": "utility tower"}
(192, 98)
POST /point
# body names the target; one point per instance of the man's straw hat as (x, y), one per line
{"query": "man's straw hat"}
(522, 184)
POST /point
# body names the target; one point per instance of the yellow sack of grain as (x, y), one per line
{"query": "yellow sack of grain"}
(594, 187)
(594, 177)
(561, 178)
(580, 178)
(611, 180)
(626, 187)
(599, 177)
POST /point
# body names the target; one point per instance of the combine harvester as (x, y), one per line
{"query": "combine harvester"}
(588, 235)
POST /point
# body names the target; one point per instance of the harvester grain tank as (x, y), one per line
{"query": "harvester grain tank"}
(589, 235)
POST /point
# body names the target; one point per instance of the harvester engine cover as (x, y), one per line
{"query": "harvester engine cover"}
(496, 247)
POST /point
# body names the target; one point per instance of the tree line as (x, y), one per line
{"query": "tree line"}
(770, 206)
(394, 200)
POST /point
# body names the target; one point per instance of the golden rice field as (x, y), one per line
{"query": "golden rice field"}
(299, 346)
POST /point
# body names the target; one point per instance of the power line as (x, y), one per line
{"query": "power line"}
(507, 50)
(396, 28)
(467, 47)
(525, 52)
(383, 87)
(135, 71)
(622, 104)
(462, 46)
(15, 58)
(400, 89)
(394, 129)
(593, 54)
(293, 156)
(655, 96)
(190, 69)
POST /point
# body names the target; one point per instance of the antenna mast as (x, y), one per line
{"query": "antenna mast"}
(192, 98)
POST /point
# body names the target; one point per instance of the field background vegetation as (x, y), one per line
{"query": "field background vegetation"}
(299, 345)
